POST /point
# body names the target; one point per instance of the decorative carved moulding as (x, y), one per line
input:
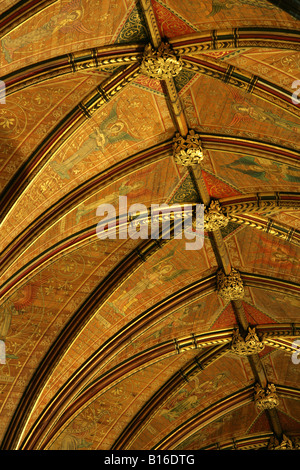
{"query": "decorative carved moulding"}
(265, 399)
(285, 444)
(230, 287)
(187, 150)
(161, 63)
(248, 345)
(214, 217)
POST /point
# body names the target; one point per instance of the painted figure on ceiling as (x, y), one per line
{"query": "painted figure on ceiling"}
(272, 255)
(110, 131)
(147, 281)
(70, 442)
(185, 400)
(220, 5)
(163, 272)
(7, 311)
(13, 307)
(246, 111)
(264, 169)
(67, 19)
(124, 189)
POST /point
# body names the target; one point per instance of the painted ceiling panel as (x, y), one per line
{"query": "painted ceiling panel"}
(221, 430)
(143, 343)
(205, 391)
(83, 216)
(272, 65)
(220, 14)
(109, 138)
(265, 254)
(63, 27)
(279, 306)
(28, 117)
(249, 173)
(96, 426)
(219, 108)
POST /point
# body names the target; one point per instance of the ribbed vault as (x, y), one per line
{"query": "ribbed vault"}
(123, 343)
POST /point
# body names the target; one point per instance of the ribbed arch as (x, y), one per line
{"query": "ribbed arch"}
(157, 401)
(121, 63)
(61, 133)
(79, 194)
(215, 344)
(115, 55)
(212, 413)
(20, 12)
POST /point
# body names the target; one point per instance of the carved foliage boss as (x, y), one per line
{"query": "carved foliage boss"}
(214, 217)
(265, 398)
(187, 150)
(160, 63)
(230, 287)
(250, 345)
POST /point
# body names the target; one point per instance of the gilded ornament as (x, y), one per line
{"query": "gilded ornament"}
(161, 63)
(214, 217)
(187, 150)
(285, 444)
(230, 287)
(265, 399)
(250, 345)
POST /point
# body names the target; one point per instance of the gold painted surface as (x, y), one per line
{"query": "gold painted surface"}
(136, 318)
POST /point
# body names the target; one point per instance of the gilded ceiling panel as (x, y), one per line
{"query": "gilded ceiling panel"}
(273, 65)
(215, 107)
(289, 415)
(205, 389)
(222, 429)
(220, 14)
(191, 319)
(29, 116)
(251, 174)
(96, 426)
(163, 275)
(108, 137)
(282, 307)
(281, 370)
(113, 344)
(217, 187)
(62, 27)
(35, 314)
(83, 216)
(258, 252)
(291, 219)
(158, 277)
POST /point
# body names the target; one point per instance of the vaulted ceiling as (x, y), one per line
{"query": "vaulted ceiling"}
(127, 343)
